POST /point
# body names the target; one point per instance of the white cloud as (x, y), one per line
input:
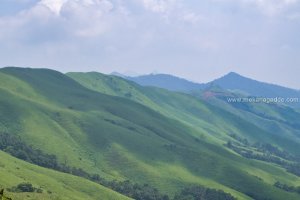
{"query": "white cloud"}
(273, 7)
(88, 17)
(159, 6)
(268, 7)
(85, 18)
(54, 5)
(172, 10)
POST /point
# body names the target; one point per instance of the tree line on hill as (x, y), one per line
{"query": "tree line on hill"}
(13, 145)
(265, 152)
(202, 193)
(287, 188)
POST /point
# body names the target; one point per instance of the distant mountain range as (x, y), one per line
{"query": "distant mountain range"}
(232, 81)
(166, 81)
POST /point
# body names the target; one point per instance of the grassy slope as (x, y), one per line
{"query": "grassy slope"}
(57, 129)
(279, 122)
(208, 119)
(60, 186)
(118, 138)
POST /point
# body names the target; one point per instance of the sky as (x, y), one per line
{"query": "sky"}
(199, 40)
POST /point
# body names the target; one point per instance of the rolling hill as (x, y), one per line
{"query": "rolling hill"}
(120, 130)
(200, 114)
(54, 185)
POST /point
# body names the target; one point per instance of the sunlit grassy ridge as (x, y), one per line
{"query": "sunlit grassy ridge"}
(55, 185)
(168, 140)
(208, 119)
(257, 122)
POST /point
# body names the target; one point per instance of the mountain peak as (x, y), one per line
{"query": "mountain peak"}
(233, 74)
(233, 78)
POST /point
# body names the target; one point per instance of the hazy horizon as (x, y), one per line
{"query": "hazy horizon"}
(197, 41)
(134, 74)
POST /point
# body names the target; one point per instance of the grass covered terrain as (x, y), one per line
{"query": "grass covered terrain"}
(119, 130)
(54, 185)
(267, 123)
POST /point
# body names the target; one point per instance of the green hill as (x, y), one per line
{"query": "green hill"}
(210, 116)
(119, 130)
(54, 185)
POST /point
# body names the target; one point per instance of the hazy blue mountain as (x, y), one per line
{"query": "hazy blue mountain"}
(166, 81)
(234, 81)
(231, 81)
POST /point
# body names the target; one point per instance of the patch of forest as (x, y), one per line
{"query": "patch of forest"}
(264, 152)
(287, 188)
